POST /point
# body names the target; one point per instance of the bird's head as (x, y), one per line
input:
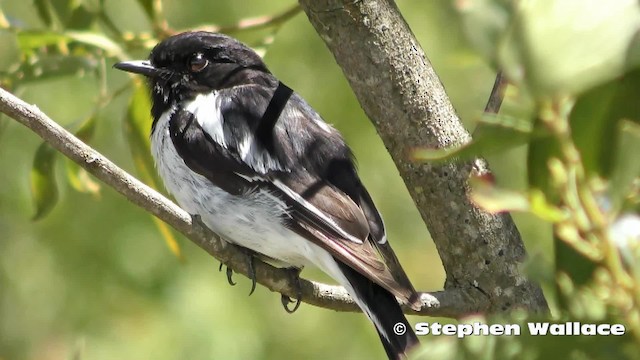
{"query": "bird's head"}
(191, 63)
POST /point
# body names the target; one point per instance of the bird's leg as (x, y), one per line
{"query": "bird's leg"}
(294, 273)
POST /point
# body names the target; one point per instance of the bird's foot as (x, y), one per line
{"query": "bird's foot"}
(252, 271)
(295, 277)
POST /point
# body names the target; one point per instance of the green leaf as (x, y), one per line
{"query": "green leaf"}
(44, 188)
(80, 18)
(595, 120)
(52, 67)
(489, 197)
(87, 129)
(30, 40)
(494, 134)
(147, 6)
(137, 127)
(97, 40)
(44, 10)
(540, 207)
(81, 180)
(565, 47)
(541, 150)
(627, 163)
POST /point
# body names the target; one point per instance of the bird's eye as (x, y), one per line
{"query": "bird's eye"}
(198, 63)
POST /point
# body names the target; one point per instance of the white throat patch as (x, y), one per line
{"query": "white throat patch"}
(206, 109)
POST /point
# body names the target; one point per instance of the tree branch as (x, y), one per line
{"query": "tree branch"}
(252, 23)
(402, 95)
(497, 94)
(444, 303)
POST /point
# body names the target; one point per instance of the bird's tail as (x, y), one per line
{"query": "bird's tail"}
(382, 308)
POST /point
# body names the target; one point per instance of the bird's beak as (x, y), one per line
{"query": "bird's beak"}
(142, 67)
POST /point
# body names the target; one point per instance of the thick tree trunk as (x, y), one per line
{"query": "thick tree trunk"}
(404, 98)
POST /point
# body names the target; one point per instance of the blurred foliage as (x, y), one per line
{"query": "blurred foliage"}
(577, 62)
(91, 279)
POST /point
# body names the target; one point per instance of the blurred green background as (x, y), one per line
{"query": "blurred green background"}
(94, 278)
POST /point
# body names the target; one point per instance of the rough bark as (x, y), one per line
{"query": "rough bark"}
(404, 98)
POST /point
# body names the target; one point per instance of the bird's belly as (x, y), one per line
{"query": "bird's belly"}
(254, 220)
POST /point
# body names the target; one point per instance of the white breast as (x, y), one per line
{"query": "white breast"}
(253, 220)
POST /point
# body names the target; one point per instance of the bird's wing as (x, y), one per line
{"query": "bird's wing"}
(307, 170)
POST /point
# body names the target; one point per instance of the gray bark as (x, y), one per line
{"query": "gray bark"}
(404, 98)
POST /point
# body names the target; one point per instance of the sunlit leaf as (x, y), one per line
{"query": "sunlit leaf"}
(539, 206)
(44, 188)
(495, 133)
(137, 127)
(81, 180)
(98, 40)
(485, 194)
(559, 47)
(493, 199)
(29, 40)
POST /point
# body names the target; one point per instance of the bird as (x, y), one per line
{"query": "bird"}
(259, 166)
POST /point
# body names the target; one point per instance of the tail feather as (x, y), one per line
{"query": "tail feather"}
(385, 313)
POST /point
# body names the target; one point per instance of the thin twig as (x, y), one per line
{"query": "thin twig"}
(253, 23)
(450, 303)
(497, 94)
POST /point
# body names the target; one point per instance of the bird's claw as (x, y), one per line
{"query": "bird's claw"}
(252, 271)
(286, 300)
(252, 274)
(230, 276)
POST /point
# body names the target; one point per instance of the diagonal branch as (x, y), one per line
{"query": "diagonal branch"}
(445, 303)
(255, 23)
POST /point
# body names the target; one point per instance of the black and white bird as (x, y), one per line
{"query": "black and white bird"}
(260, 167)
